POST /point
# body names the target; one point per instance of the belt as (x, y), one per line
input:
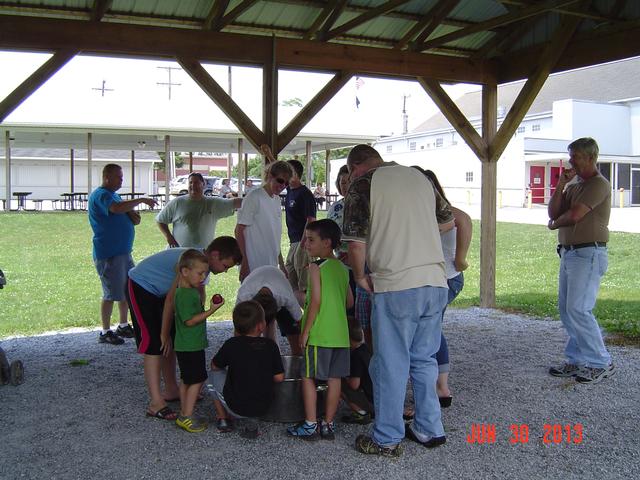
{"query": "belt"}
(583, 245)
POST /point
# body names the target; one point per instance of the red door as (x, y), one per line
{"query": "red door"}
(536, 176)
(555, 175)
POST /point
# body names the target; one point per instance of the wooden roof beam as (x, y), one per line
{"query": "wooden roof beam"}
(315, 26)
(34, 82)
(428, 23)
(451, 111)
(338, 8)
(100, 7)
(590, 13)
(144, 41)
(615, 43)
(235, 13)
(543, 66)
(216, 93)
(215, 14)
(495, 22)
(311, 109)
(362, 19)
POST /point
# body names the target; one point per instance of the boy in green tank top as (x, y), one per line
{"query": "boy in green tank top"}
(325, 332)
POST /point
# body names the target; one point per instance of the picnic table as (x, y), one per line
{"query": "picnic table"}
(75, 200)
(22, 199)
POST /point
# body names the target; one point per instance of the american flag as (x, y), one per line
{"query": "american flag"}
(359, 84)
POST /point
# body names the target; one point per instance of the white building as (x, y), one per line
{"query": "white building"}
(49, 172)
(602, 102)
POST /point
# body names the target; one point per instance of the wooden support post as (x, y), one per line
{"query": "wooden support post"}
(71, 173)
(270, 101)
(7, 170)
(167, 167)
(133, 172)
(89, 162)
(308, 169)
(327, 171)
(488, 199)
(241, 170)
(190, 162)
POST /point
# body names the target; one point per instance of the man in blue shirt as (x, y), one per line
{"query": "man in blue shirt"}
(112, 221)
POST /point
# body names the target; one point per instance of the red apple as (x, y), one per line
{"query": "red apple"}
(217, 298)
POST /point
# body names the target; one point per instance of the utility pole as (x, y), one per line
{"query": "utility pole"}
(405, 117)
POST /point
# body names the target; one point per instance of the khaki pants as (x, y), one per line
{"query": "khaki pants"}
(296, 265)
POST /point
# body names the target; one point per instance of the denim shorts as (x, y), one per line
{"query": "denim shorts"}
(113, 273)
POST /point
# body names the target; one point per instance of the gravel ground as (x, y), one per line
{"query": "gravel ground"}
(87, 421)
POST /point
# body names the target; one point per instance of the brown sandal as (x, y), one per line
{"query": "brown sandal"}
(164, 413)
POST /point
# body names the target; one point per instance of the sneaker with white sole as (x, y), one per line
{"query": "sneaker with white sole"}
(125, 332)
(110, 338)
(327, 430)
(565, 370)
(595, 375)
(304, 430)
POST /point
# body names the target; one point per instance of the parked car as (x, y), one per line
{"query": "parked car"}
(180, 185)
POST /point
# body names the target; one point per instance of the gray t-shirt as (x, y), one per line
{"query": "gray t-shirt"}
(194, 221)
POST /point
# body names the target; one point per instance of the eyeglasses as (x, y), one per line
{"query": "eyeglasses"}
(282, 181)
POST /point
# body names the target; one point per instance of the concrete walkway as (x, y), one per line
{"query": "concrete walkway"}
(622, 219)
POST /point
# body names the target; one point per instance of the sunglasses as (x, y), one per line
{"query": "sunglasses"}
(282, 181)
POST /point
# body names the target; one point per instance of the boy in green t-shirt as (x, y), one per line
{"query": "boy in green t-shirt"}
(191, 333)
(325, 332)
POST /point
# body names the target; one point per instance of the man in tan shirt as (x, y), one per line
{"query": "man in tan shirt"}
(391, 219)
(579, 209)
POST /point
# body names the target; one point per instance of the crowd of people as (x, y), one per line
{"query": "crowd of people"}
(362, 304)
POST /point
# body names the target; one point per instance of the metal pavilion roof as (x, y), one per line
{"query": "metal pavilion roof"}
(473, 29)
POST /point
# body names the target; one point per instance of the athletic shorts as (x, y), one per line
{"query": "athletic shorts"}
(193, 367)
(146, 315)
(286, 323)
(113, 273)
(323, 363)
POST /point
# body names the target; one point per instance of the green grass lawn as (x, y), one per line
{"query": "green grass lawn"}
(52, 284)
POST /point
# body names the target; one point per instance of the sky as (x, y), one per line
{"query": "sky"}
(134, 96)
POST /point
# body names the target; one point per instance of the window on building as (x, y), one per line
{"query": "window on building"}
(389, 148)
(469, 177)
(439, 142)
(421, 147)
(605, 170)
(521, 129)
(412, 146)
(624, 176)
(535, 128)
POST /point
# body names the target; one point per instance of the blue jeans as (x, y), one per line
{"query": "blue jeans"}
(442, 355)
(406, 328)
(579, 281)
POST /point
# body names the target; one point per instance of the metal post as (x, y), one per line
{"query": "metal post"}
(241, 175)
(308, 148)
(71, 154)
(167, 167)
(89, 162)
(133, 172)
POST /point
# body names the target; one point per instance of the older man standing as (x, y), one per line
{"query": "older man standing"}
(194, 216)
(579, 209)
(112, 221)
(390, 221)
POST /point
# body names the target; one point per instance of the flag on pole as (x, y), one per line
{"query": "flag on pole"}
(359, 84)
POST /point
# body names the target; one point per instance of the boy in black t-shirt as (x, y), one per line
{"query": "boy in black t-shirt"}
(357, 390)
(244, 370)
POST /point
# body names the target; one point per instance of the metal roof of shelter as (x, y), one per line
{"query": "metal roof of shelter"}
(38, 135)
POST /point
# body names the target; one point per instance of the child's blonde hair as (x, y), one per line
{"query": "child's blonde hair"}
(189, 258)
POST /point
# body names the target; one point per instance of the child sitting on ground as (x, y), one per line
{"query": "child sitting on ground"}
(357, 389)
(325, 334)
(191, 333)
(244, 370)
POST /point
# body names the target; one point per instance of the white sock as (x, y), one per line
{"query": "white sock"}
(105, 331)
(124, 325)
